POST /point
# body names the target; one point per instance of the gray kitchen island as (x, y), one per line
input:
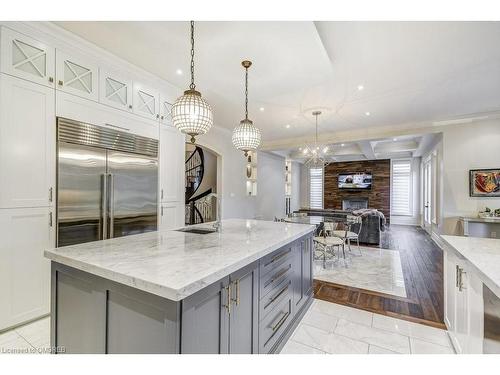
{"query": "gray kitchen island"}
(241, 290)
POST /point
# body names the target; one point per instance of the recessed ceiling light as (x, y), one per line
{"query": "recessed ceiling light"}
(300, 148)
(361, 87)
(367, 113)
(178, 72)
(342, 144)
(287, 126)
(394, 139)
(261, 109)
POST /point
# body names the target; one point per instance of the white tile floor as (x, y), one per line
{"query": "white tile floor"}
(30, 338)
(326, 328)
(375, 269)
(336, 329)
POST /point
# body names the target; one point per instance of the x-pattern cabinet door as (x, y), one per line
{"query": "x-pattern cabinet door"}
(27, 58)
(115, 90)
(75, 75)
(165, 110)
(146, 101)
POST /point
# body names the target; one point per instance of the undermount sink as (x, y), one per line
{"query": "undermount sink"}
(197, 230)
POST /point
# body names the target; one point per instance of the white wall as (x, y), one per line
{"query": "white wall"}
(465, 147)
(304, 186)
(270, 200)
(296, 187)
(231, 170)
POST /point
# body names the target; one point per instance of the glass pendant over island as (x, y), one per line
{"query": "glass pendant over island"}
(246, 136)
(316, 153)
(191, 114)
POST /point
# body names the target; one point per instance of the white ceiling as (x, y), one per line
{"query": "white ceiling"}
(411, 71)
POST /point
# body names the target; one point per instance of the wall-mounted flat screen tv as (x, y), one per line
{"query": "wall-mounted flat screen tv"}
(360, 181)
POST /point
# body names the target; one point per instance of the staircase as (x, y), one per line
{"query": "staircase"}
(199, 207)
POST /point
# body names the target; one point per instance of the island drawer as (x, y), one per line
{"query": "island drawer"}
(274, 324)
(275, 297)
(272, 279)
(275, 259)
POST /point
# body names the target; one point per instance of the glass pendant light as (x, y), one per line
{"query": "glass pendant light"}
(191, 114)
(246, 136)
(315, 153)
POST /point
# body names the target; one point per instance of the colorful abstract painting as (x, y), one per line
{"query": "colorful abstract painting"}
(484, 182)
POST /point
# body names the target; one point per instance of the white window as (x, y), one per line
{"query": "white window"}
(401, 187)
(316, 188)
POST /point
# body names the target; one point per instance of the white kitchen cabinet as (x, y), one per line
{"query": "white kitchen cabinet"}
(463, 312)
(27, 58)
(24, 272)
(115, 90)
(171, 215)
(146, 101)
(172, 150)
(27, 143)
(165, 110)
(76, 75)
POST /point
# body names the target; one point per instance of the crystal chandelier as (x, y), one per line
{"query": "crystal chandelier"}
(316, 153)
(191, 114)
(246, 136)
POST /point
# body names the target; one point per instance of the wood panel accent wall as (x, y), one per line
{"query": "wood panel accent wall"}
(379, 196)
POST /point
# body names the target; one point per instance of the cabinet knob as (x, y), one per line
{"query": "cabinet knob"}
(157, 116)
(51, 79)
(60, 83)
(162, 117)
(130, 106)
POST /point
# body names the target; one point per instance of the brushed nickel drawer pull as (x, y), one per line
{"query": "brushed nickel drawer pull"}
(278, 275)
(275, 297)
(279, 256)
(228, 298)
(237, 287)
(280, 322)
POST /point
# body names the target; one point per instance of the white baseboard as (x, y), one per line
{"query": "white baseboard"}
(437, 240)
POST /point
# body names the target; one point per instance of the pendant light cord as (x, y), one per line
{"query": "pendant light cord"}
(192, 86)
(246, 93)
(317, 129)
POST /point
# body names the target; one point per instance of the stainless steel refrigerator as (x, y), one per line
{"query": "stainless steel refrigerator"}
(107, 183)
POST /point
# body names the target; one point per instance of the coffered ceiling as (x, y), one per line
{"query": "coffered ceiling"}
(362, 75)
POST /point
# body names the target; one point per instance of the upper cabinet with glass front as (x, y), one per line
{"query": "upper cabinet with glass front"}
(146, 101)
(115, 90)
(75, 75)
(27, 58)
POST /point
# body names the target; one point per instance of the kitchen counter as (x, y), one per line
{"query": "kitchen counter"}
(242, 290)
(174, 264)
(483, 254)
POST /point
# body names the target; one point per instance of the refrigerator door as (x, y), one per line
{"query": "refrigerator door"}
(132, 193)
(81, 179)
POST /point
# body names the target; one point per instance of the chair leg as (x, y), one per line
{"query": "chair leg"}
(359, 248)
(349, 243)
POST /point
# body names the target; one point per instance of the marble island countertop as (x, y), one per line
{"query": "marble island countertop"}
(483, 254)
(175, 264)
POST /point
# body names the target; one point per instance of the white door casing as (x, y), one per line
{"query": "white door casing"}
(27, 58)
(172, 150)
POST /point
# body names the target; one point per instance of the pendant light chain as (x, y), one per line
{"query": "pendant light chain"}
(246, 93)
(192, 86)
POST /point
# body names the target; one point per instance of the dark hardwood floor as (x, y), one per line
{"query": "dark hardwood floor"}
(422, 264)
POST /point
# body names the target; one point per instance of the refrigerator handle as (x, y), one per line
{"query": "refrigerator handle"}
(111, 206)
(104, 206)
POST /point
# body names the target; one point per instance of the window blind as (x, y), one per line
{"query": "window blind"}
(316, 188)
(401, 187)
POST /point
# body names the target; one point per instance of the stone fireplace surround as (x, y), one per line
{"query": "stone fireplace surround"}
(352, 204)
